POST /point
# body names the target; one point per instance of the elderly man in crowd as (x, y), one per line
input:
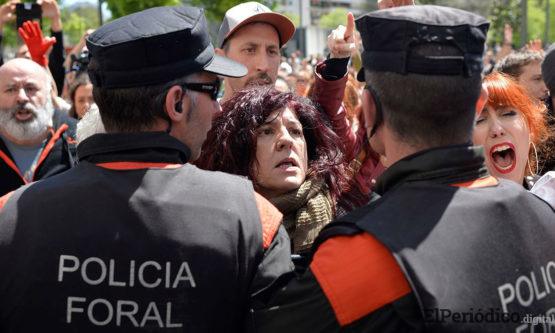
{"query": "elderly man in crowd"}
(447, 247)
(134, 238)
(34, 141)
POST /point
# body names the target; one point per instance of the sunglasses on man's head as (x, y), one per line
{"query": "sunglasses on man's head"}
(211, 88)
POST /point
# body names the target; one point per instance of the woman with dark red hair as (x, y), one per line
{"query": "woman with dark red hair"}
(280, 142)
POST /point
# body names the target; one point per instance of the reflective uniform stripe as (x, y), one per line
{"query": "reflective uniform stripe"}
(358, 275)
(49, 146)
(270, 218)
(478, 183)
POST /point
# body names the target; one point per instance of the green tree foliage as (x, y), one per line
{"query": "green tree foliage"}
(509, 11)
(334, 18)
(295, 18)
(501, 12)
(77, 19)
(9, 35)
(504, 12)
(536, 19)
(121, 8)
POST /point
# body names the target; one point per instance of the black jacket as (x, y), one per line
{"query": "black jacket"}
(58, 155)
(134, 239)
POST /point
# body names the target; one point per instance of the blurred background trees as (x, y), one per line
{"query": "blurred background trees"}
(80, 15)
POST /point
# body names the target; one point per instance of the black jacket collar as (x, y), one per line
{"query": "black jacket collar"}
(443, 165)
(133, 147)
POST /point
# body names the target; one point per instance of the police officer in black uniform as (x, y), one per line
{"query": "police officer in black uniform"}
(447, 247)
(135, 239)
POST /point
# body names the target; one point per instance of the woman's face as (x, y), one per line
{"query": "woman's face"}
(506, 139)
(281, 154)
(83, 99)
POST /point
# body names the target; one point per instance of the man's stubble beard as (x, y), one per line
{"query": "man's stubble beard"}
(260, 79)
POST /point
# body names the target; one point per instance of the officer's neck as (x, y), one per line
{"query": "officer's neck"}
(395, 148)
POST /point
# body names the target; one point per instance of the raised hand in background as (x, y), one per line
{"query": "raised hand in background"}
(535, 45)
(51, 10)
(341, 41)
(7, 13)
(38, 45)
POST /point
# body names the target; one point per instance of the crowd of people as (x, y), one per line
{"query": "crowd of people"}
(154, 180)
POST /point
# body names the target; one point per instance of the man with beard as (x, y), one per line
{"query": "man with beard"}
(33, 136)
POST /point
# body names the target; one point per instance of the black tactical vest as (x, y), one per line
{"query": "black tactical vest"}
(477, 259)
(146, 250)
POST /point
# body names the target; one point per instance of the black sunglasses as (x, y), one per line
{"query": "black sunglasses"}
(211, 88)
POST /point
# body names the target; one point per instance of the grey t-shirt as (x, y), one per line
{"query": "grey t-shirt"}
(24, 156)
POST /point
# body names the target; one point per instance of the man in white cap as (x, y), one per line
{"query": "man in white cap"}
(253, 35)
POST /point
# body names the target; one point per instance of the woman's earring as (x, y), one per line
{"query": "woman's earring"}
(536, 158)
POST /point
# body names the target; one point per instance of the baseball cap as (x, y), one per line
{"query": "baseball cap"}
(389, 35)
(250, 12)
(155, 46)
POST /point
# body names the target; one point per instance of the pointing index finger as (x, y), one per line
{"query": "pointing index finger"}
(350, 30)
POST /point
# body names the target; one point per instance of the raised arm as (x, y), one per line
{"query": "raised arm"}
(7, 14)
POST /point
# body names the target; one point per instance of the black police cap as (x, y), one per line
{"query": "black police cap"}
(153, 47)
(389, 35)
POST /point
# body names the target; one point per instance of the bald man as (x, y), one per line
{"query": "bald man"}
(34, 140)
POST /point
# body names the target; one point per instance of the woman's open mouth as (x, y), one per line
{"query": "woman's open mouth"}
(287, 164)
(503, 157)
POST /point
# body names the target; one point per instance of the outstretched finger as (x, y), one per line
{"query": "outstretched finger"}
(28, 28)
(23, 33)
(350, 30)
(36, 29)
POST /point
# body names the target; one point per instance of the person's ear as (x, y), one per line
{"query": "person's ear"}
(368, 110)
(176, 103)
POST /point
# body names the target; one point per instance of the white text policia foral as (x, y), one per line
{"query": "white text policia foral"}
(94, 271)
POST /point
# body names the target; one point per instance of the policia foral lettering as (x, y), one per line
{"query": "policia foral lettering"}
(135, 239)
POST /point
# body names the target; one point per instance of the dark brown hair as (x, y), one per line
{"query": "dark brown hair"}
(231, 143)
